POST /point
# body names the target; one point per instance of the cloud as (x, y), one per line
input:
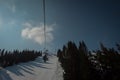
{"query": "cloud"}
(27, 24)
(11, 5)
(37, 33)
(13, 8)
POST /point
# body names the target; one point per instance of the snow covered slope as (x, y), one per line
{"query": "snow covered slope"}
(33, 70)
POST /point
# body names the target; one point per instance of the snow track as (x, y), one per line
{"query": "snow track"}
(33, 70)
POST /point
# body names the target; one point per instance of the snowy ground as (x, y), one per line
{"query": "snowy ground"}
(33, 70)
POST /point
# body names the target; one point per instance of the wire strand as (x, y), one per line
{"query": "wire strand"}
(44, 16)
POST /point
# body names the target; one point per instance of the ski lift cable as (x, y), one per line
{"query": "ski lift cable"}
(44, 24)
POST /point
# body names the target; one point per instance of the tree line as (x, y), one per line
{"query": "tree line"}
(79, 63)
(9, 58)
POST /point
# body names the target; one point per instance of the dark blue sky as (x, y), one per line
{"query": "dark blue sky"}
(93, 21)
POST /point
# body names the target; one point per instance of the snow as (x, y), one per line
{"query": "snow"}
(34, 70)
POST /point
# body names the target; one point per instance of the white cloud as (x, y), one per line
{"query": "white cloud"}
(37, 33)
(8, 5)
(27, 24)
(13, 8)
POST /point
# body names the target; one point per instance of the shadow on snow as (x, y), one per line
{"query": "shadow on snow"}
(26, 67)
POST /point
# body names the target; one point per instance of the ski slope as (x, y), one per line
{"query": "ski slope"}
(33, 70)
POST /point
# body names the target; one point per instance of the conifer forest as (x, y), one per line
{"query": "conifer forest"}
(79, 63)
